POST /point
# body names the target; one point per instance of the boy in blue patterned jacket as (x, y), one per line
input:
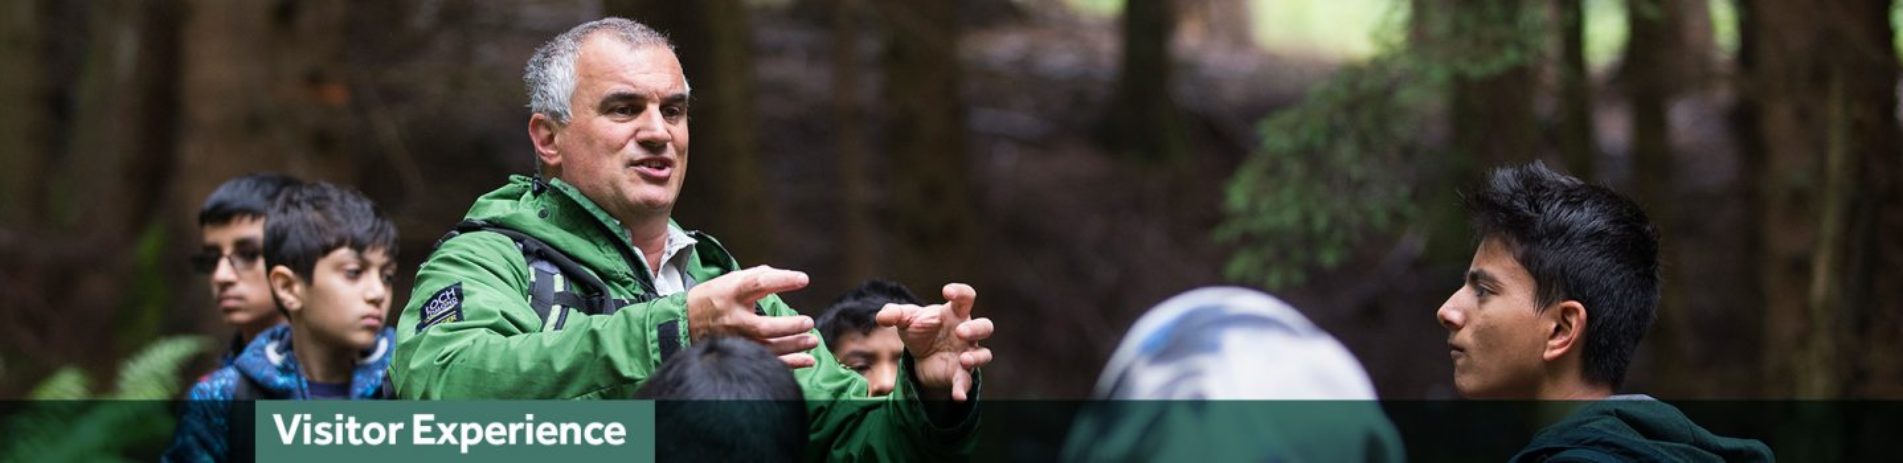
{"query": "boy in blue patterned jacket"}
(330, 255)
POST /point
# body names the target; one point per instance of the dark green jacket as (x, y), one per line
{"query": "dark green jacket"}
(483, 339)
(1636, 429)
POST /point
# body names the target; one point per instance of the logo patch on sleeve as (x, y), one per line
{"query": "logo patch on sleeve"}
(446, 305)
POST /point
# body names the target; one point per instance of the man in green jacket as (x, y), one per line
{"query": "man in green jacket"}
(1562, 288)
(580, 286)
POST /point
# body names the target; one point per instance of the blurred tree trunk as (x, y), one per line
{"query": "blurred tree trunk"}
(856, 230)
(1577, 142)
(1486, 50)
(1664, 57)
(1493, 96)
(934, 202)
(1822, 78)
(24, 44)
(1145, 123)
(725, 193)
(101, 100)
(266, 91)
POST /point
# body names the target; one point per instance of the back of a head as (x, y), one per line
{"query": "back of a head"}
(857, 311)
(1580, 242)
(726, 399)
(1298, 394)
(311, 220)
(246, 196)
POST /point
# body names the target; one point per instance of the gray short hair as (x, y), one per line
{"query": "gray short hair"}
(550, 76)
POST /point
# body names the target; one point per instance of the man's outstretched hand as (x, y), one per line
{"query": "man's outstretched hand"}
(724, 305)
(943, 340)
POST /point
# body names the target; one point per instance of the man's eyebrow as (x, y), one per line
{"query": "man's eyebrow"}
(674, 99)
(619, 96)
(1477, 276)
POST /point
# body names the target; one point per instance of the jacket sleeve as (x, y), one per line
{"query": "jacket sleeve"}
(202, 426)
(849, 426)
(480, 339)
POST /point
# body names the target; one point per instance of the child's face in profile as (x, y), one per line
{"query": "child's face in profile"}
(874, 355)
(345, 301)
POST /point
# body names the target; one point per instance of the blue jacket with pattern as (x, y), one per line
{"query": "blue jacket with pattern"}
(266, 370)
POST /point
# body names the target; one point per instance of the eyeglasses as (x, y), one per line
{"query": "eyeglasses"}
(242, 258)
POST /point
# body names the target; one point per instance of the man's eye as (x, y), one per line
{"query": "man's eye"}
(624, 111)
(673, 112)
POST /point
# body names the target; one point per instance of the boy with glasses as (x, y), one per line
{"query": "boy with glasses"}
(231, 228)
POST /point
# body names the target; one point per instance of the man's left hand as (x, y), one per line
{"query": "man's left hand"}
(943, 340)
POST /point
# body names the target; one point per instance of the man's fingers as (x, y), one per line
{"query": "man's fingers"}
(759, 282)
(899, 315)
(758, 327)
(796, 361)
(791, 344)
(975, 358)
(975, 330)
(961, 297)
(960, 382)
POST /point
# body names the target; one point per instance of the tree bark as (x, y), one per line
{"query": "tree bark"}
(934, 209)
(1145, 123)
(856, 229)
(1822, 79)
(1577, 143)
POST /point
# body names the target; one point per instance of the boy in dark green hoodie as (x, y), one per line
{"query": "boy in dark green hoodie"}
(1562, 288)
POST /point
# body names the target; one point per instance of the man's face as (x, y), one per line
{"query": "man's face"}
(238, 286)
(875, 355)
(1494, 328)
(347, 296)
(625, 146)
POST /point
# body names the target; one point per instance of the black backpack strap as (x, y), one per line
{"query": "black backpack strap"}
(554, 277)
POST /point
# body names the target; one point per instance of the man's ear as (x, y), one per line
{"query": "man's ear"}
(1568, 321)
(288, 289)
(543, 131)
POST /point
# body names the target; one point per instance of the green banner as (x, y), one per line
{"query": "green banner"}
(514, 431)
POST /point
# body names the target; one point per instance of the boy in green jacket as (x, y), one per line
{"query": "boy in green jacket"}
(581, 285)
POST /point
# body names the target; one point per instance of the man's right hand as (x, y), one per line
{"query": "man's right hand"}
(724, 306)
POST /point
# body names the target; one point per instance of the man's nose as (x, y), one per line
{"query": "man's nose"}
(652, 132)
(1451, 315)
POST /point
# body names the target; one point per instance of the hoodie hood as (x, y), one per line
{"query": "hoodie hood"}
(269, 364)
(1637, 428)
(1232, 374)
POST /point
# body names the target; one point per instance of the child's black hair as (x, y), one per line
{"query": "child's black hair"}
(1580, 242)
(857, 311)
(247, 196)
(726, 399)
(311, 220)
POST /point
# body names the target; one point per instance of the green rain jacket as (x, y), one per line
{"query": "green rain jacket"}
(480, 338)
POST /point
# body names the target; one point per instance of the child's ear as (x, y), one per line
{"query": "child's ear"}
(288, 288)
(1568, 319)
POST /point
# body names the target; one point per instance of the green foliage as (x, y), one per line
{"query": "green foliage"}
(1343, 165)
(1330, 170)
(69, 423)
